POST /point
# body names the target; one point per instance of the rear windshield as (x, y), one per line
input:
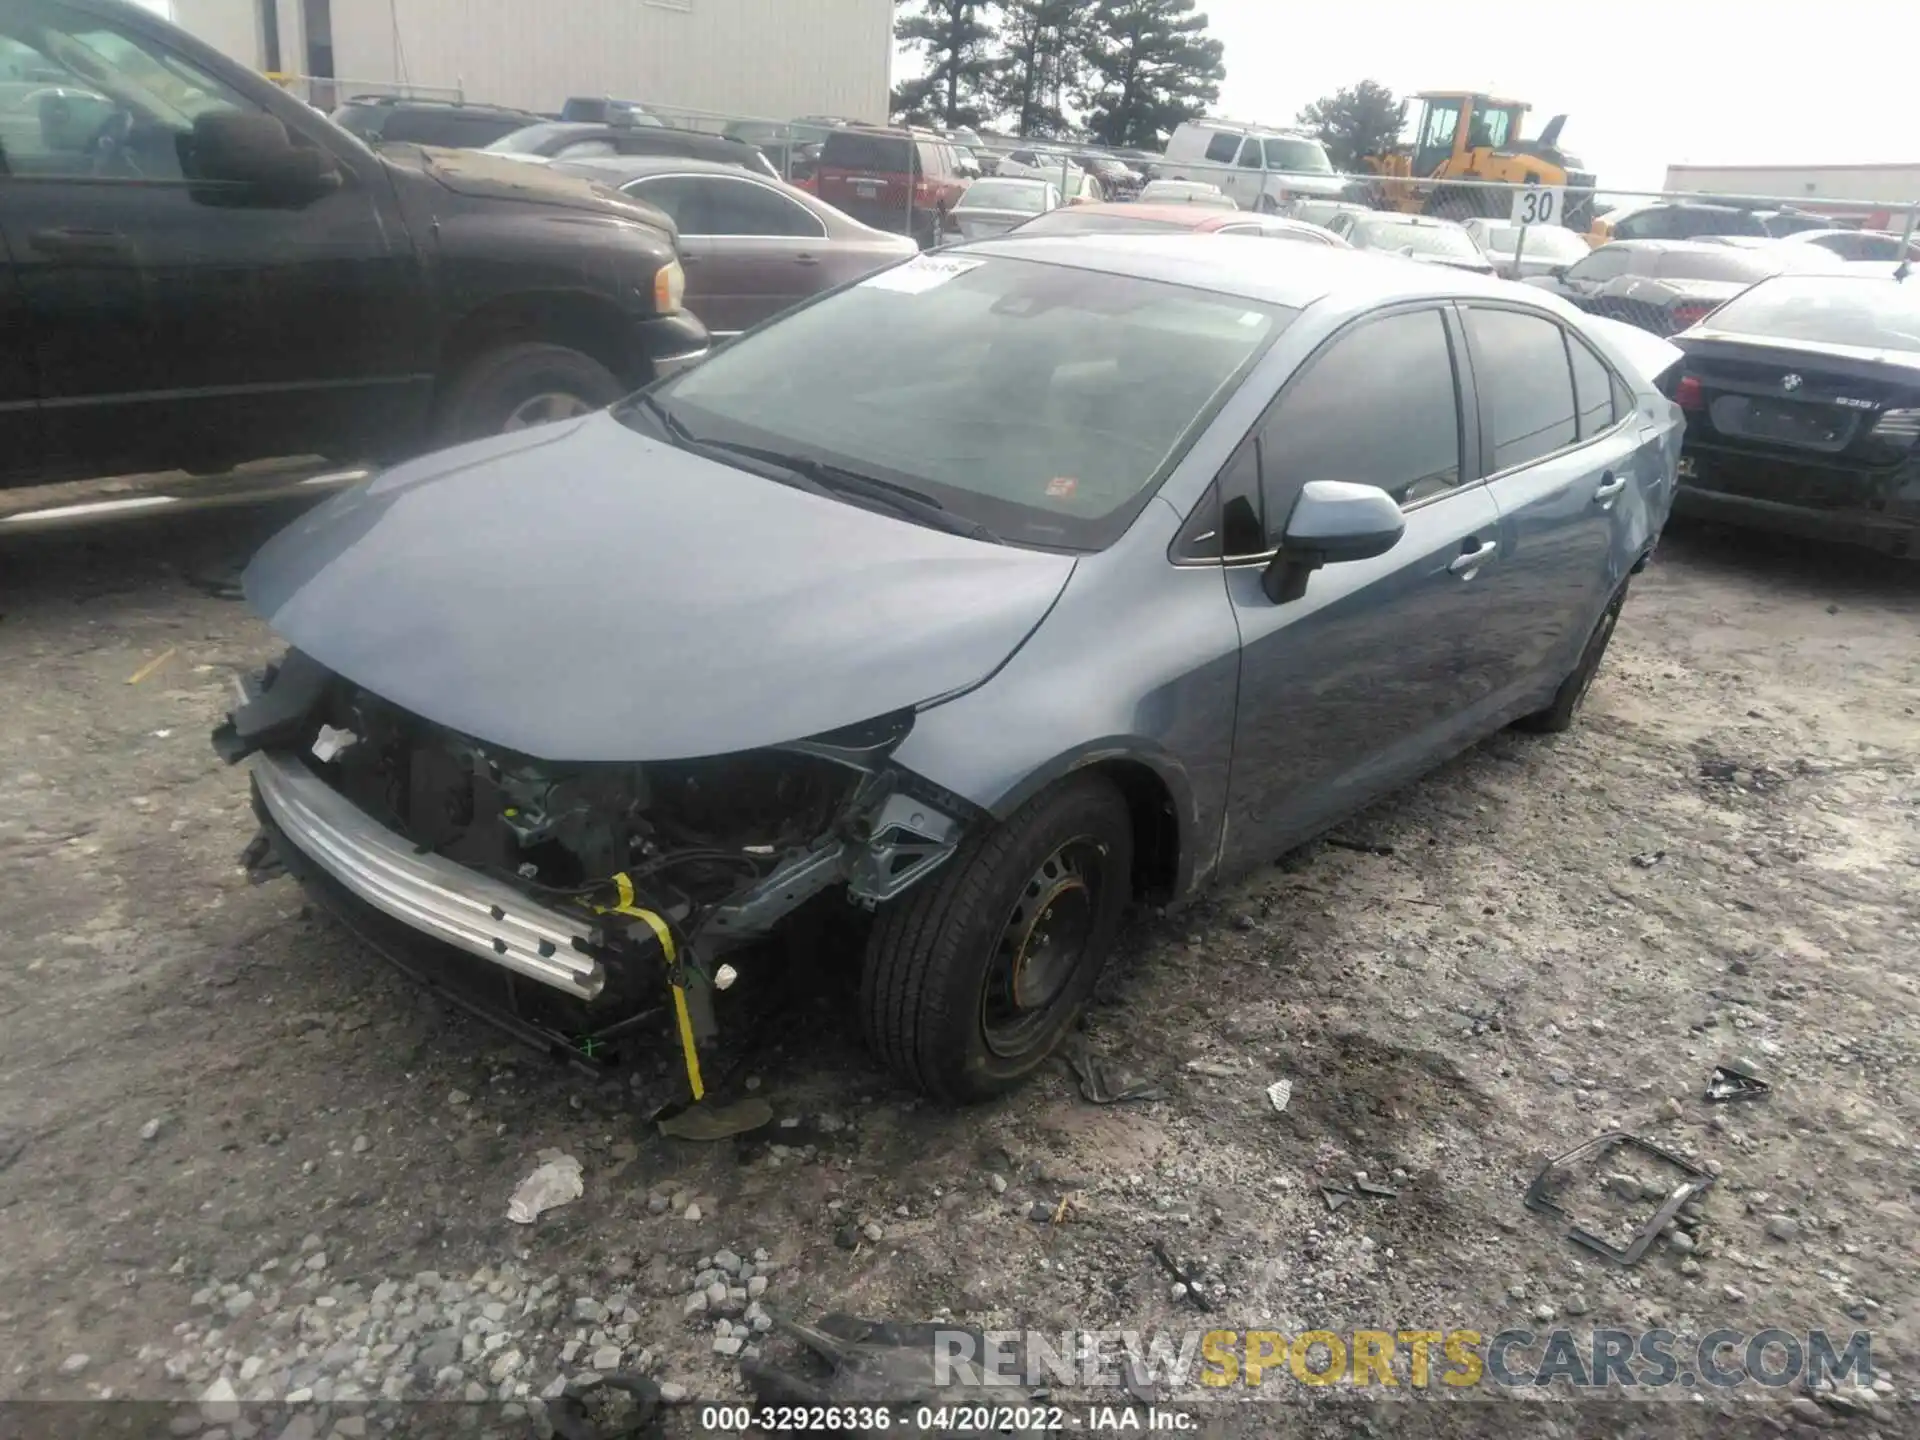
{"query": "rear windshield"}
(530, 139)
(1547, 242)
(852, 150)
(1007, 195)
(1079, 222)
(1307, 155)
(1882, 314)
(1043, 401)
(455, 129)
(1422, 239)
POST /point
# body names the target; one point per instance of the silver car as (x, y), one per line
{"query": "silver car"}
(600, 705)
(993, 207)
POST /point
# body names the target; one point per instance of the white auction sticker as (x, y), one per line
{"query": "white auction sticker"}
(922, 273)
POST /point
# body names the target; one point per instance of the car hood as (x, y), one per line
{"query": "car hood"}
(1297, 182)
(502, 177)
(585, 592)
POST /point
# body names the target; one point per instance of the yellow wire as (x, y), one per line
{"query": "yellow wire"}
(623, 887)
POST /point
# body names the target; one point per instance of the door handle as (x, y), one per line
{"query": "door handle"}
(97, 244)
(1610, 485)
(806, 259)
(1466, 563)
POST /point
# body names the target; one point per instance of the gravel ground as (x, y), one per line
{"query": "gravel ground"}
(244, 1163)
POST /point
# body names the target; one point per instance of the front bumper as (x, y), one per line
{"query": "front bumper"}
(667, 344)
(435, 896)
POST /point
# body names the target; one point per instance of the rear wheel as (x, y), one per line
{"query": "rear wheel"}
(1559, 714)
(517, 386)
(974, 977)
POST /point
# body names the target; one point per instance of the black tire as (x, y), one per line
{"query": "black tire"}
(497, 388)
(1266, 204)
(938, 959)
(1559, 714)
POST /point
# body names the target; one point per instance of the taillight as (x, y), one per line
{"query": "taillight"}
(1688, 315)
(669, 288)
(1688, 395)
(1902, 427)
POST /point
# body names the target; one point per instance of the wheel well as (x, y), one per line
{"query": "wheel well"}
(580, 322)
(1156, 827)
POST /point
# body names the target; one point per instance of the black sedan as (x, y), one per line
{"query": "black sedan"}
(1666, 285)
(1802, 399)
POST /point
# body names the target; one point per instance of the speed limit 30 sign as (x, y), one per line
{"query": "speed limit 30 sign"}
(1538, 204)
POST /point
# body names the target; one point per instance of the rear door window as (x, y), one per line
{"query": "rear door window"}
(1521, 370)
(740, 207)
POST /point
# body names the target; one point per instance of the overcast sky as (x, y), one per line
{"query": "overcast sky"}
(1645, 83)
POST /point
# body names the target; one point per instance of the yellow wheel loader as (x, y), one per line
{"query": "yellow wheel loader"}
(1463, 135)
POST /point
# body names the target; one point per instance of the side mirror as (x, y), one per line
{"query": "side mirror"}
(1558, 272)
(1332, 521)
(252, 150)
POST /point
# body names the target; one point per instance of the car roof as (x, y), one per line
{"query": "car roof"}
(1248, 267)
(635, 167)
(1431, 222)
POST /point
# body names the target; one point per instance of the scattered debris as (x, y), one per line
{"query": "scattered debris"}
(147, 670)
(1278, 1094)
(1214, 1069)
(1539, 1196)
(718, 1122)
(1335, 1195)
(1173, 1268)
(1729, 1083)
(877, 1364)
(1647, 859)
(554, 1183)
(1364, 847)
(1376, 1189)
(1104, 1083)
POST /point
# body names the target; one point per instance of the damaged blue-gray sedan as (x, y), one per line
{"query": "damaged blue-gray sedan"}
(992, 593)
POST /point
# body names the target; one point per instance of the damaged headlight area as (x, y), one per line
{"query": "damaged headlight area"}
(581, 875)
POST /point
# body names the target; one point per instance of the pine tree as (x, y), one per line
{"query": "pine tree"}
(1039, 64)
(957, 37)
(1151, 65)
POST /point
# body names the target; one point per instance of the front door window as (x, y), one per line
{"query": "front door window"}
(1436, 135)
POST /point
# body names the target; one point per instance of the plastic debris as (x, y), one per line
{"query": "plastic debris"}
(718, 1122)
(554, 1183)
(331, 741)
(1729, 1083)
(1278, 1094)
(1104, 1083)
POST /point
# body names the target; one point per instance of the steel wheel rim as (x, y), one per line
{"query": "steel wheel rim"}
(544, 409)
(1045, 944)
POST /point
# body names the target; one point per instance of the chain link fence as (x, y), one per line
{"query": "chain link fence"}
(1544, 234)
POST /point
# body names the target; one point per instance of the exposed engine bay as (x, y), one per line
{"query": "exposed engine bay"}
(678, 860)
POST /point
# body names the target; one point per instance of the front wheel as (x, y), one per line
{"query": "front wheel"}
(1559, 714)
(975, 976)
(514, 387)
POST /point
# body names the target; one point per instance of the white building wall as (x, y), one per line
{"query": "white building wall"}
(774, 59)
(1893, 184)
(231, 26)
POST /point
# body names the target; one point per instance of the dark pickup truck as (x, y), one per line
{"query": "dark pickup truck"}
(197, 269)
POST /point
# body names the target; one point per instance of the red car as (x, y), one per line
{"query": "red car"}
(900, 180)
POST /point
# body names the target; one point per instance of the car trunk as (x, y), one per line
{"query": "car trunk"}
(1801, 424)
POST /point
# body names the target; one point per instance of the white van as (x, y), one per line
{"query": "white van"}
(1260, 167)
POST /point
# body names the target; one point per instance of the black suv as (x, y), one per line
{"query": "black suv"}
(197, 269)
(454, 124)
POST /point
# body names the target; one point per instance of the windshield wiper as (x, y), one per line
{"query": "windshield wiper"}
(826, 479)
